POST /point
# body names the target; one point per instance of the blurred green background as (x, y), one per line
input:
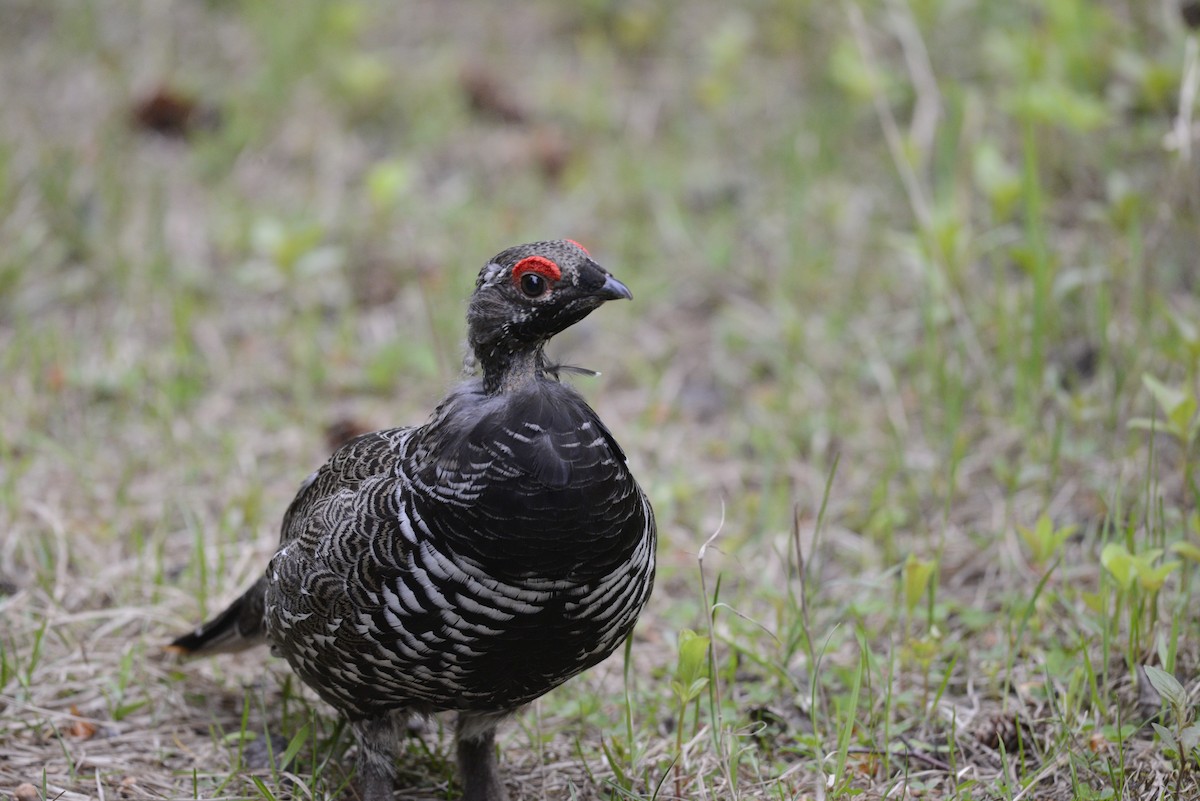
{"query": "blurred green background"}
(915, 329)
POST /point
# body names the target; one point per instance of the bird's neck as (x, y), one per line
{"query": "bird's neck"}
(507, 371)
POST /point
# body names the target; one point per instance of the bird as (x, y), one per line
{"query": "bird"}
(470, 564)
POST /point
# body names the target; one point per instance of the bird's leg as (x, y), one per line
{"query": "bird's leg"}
(376, 757)
(476, 736)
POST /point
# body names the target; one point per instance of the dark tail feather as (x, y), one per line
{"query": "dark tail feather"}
(237, 628)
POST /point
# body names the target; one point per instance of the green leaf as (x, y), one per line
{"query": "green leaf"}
(234, 737)
(687, 694)
(1177, 405)
(1061, 105)
(1189, 738)
(917, 573)
(1033, 540)
(1186, 329)
(1168, 739)
(1167, 685)
(693, 661)
(697, 687)
(852, 74)
(1044, 540)
(1187, 550)
(1119, 735)
(999, 180)
(614, 755)
(1181, 418)
(388, 182)
(1152, 579)
(1119, 562)
(124, 710)
(1095, 601)
(262, 788)
(925, 649)
(282, 243)
(297, 742)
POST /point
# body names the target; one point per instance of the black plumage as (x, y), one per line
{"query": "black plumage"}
(473, 563)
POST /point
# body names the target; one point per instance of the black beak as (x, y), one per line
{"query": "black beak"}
(613, 290)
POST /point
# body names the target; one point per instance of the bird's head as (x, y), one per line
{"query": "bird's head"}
(528, 293)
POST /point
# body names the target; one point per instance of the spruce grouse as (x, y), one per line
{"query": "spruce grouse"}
(472, 563)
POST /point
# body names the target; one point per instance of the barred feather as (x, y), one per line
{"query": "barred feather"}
(475, 563)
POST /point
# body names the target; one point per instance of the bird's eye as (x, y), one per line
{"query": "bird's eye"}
(534, 275)
(534, 285)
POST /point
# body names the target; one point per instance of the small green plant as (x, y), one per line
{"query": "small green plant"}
(624, 754)
(1129, 568)
(1139, 579)
(1044, 540)
(292, 249)
(690, 681)
(1180, 422)
(35, 655)
(388, 183)
(1182, 742)
(917, 581)
(120, 703)
(1178, 406)
(1188, 549)
(916, 576)
(847, 704)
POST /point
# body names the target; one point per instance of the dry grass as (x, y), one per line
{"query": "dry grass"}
(902, 263)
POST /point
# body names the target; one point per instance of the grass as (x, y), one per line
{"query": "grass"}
(915, 333)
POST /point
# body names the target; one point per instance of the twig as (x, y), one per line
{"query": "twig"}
(921, 74)
(1180, 136)
(932, 762)
(718, 725)
(1041, 774)
(927, 109)
(891, 131)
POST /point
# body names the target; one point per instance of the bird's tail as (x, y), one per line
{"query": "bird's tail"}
(239, 627)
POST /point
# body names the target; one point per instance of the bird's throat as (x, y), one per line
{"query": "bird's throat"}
(505, 371)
